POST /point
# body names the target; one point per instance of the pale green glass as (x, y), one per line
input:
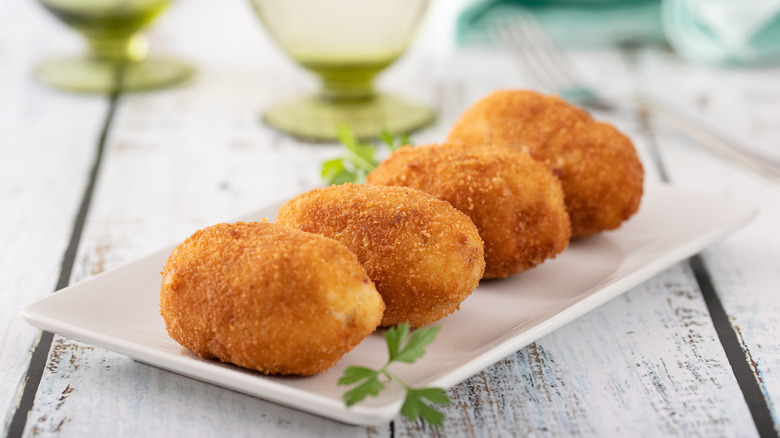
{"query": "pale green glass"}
(117, 50)
(345, 43)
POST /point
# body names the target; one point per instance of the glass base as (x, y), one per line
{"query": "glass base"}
(94, 76)
(315, 118)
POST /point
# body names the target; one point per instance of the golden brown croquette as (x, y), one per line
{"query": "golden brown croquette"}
(267, 297)
(424, 256)
(515, 202)
(599, 169)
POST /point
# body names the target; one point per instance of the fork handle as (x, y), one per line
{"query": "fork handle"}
(763, 166)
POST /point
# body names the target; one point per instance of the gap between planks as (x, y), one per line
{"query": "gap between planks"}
(41, 349)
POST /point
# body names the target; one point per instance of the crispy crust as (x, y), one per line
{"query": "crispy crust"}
(424, 256)
(515, 201)
(267, 297)
(600, 171)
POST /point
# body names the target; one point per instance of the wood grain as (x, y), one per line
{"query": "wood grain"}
(649, 363)
(582, 380)
(741, 105)
(44, 159)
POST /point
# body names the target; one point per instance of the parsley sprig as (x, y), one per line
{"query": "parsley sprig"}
(360, 158)
(400, 349)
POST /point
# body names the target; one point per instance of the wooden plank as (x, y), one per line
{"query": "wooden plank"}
(122, 229)
(155, 189)
(47, 147)
(742, 105)
(90, 392)
(180, 159)
(646, 364)
(177, 160)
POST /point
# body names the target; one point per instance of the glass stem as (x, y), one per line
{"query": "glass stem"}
(123, 50)
(347, 87)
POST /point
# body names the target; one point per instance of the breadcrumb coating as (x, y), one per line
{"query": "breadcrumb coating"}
(267, 297)
(598, 166)
(515, 202)
(424, 256)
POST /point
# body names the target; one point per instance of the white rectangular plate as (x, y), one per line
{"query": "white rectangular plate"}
(119, 309)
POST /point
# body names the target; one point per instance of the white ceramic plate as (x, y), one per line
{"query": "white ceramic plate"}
(118, 310)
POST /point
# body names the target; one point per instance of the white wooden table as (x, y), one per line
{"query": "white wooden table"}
(90, 182)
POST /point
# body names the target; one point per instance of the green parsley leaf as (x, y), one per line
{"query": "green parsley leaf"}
(388, 139)
(371, 386)
(434, 395)
(394, 336)
(332, 167)
(415, 348)
(359, 159)
(400, 348)
(359, 154)
(355, 374)
(336, 172)
(414, 407)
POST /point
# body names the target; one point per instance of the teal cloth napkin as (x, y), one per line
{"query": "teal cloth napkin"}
(712, 31)
(569, 22)
(724, 31)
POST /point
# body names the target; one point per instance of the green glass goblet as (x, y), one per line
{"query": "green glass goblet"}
(117, 56)
(346, 43)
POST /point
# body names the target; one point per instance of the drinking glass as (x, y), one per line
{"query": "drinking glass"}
(117, 56)
(345, 43)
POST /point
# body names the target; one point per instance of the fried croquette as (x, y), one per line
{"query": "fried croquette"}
(598, 166)
(424, 256)
(515, 202)
(267, 297)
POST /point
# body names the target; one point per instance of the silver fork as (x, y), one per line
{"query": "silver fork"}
(545, 64)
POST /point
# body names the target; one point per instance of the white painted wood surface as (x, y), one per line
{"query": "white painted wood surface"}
(649, 363)
(47, 142)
